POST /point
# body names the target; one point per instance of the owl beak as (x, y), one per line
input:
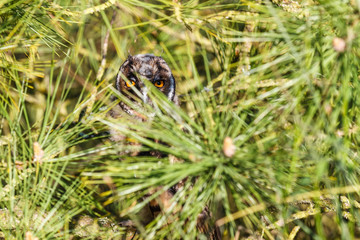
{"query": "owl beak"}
(144, 91)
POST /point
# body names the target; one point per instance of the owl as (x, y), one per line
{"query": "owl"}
(132, 74)
(144, 67)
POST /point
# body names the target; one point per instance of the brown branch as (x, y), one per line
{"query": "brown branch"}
(100, 72)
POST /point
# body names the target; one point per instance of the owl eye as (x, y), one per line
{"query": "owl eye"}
(159, 83)
(130, 83)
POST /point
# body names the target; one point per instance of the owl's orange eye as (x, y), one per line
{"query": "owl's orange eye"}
(130, 83)
(159, 83)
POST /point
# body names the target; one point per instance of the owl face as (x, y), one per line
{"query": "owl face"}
(145, 67)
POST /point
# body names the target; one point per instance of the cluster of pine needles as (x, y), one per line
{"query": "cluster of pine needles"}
(266, 134)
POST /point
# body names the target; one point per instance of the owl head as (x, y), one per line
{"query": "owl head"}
(145, 67)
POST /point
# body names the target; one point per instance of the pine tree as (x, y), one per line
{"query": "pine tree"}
(265, 137)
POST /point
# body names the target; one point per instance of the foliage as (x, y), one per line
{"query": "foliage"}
(278, 79)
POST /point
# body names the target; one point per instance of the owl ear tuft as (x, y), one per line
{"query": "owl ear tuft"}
(130, 58)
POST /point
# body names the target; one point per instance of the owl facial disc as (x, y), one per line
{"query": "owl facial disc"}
(145, 67)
